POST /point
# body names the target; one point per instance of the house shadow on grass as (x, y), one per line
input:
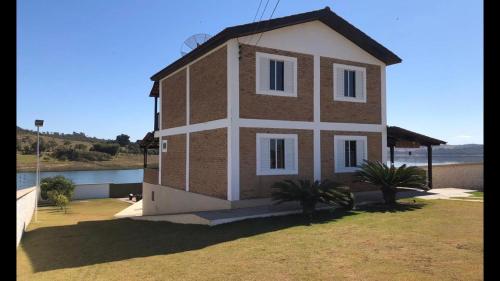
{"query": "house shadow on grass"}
(95, 242)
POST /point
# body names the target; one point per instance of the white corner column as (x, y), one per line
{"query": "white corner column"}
(317, 119)
(233, 113)
(188, 121)
(384, 113)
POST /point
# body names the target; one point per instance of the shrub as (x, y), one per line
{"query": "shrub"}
(51, 145)
(42, 145)
(79, 155)
(27, 149)
(309, 195)
(60, 184)
(390, 178)
(134, 148)
(111, 148)
(58, 198)
(80, 146)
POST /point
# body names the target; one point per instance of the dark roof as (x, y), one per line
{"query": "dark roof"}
(396, 134)
(155, 90)
(324, 15)
(149, 141)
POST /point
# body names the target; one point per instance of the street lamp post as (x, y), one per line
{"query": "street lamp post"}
(38, 124)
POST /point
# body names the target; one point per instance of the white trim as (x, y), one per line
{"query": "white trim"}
(336, 151)
(205, 126)
(188, 112)
(258, 91)
(384, 113)
(233, 134)
(317, 118)
(157, 132)
(304, 125)
(293, 171)
(341, 97)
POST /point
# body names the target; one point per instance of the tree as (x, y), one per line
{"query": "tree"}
(43, 146)
(59, 199)
(67, 142)
(123, 140)
(390, 178)
(111, 149)
(51, 145)
(309, 195)
(58, 183)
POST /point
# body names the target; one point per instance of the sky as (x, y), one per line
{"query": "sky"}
(84, 66)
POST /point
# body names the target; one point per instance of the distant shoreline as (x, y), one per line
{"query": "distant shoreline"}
(68, 169)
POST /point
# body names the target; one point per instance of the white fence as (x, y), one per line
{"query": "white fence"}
(91, 191)
(26, 200)
(466, 175)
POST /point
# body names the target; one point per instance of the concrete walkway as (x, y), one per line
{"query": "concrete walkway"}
(225, 216)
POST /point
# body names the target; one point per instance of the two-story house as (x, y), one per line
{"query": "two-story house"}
(302, 96)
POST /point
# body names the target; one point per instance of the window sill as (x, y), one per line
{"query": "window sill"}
(347, 99)
(347, 170)
(277, 173)
(276, 93)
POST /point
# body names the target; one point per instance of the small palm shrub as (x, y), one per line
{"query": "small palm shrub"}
(310, 194)
(390, 178)
(60, 184)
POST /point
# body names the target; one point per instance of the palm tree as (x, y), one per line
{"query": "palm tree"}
(327, 192)
(390, 178)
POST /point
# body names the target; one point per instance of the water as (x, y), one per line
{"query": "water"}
(28, 179)
(421, 160)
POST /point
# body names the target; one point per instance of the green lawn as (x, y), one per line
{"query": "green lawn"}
(426, 240)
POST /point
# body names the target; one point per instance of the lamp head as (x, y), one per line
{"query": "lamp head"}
(39, 123)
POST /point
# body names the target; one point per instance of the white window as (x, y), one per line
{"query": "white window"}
(164, 146)
(349, 83)
(277, 154)
(349, 153)
(276, 75)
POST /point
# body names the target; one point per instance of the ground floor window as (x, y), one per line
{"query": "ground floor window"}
(349, 153)
(277, 154)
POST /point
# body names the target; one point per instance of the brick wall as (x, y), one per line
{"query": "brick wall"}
(173, 102)
(350, 112)
(208, 163)
(253, 186)
(208, 87)
(298, 108)
(173, 162)
(328, 163)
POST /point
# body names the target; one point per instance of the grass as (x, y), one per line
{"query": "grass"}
(426, 240)
(475, 195)
(27, 163)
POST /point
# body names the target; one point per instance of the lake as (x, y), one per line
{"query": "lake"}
(28, 179)
(421, 160)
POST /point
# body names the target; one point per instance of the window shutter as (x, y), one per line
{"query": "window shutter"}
(360, 152)
(359, 84)
(290, 154)
(340, 155)
(289, 77)
(265, 157)
(264, 74)
(339, 81)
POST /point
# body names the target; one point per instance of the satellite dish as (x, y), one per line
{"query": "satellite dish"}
(193, 41)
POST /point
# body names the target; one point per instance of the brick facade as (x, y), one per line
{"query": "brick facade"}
(208, 163)
(350, 112)
(173, 101)
(253, 186)
(208, 87)
(173, 162)
(255, 106)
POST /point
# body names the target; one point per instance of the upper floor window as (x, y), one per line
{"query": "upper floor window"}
(349, 153)
(277, 154)
(349, 83)
(276, 75)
